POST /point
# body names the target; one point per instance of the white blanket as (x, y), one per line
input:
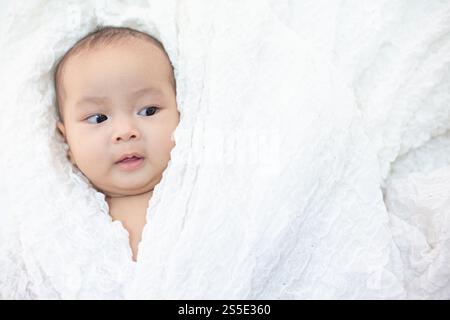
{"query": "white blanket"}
(291, 117)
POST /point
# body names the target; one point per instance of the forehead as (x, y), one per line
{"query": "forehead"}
(116, 68)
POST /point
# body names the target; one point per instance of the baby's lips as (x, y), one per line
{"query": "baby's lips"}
(129, 155)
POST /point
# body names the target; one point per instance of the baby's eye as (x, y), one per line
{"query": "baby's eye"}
(100, 116)
(150, 110)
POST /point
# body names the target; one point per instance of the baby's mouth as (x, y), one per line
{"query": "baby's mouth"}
(132, 159)
(130, 164)
(129, 157)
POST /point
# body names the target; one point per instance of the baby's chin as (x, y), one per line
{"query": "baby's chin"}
(125, 189)
(121, 184)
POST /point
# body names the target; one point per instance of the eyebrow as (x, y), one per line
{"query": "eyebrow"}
(134, 94)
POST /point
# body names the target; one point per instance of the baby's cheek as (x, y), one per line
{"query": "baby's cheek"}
(163, 151)
(91, 153)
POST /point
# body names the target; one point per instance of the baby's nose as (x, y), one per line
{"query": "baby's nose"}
(126, 134)
(126, 137)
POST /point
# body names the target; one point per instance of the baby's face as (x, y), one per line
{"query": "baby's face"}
(118, 100)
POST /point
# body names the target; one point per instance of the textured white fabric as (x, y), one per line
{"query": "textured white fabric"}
(417, 196)
(394, 55)
(291, 116)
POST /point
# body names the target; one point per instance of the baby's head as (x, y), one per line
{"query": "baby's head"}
(115, 93)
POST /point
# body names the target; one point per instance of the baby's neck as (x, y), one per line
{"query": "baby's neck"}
(132, 212)
(126, 205)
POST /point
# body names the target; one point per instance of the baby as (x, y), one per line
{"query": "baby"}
(116, 99)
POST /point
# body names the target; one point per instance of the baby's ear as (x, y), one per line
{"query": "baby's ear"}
(61, 129)
(70, 157)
